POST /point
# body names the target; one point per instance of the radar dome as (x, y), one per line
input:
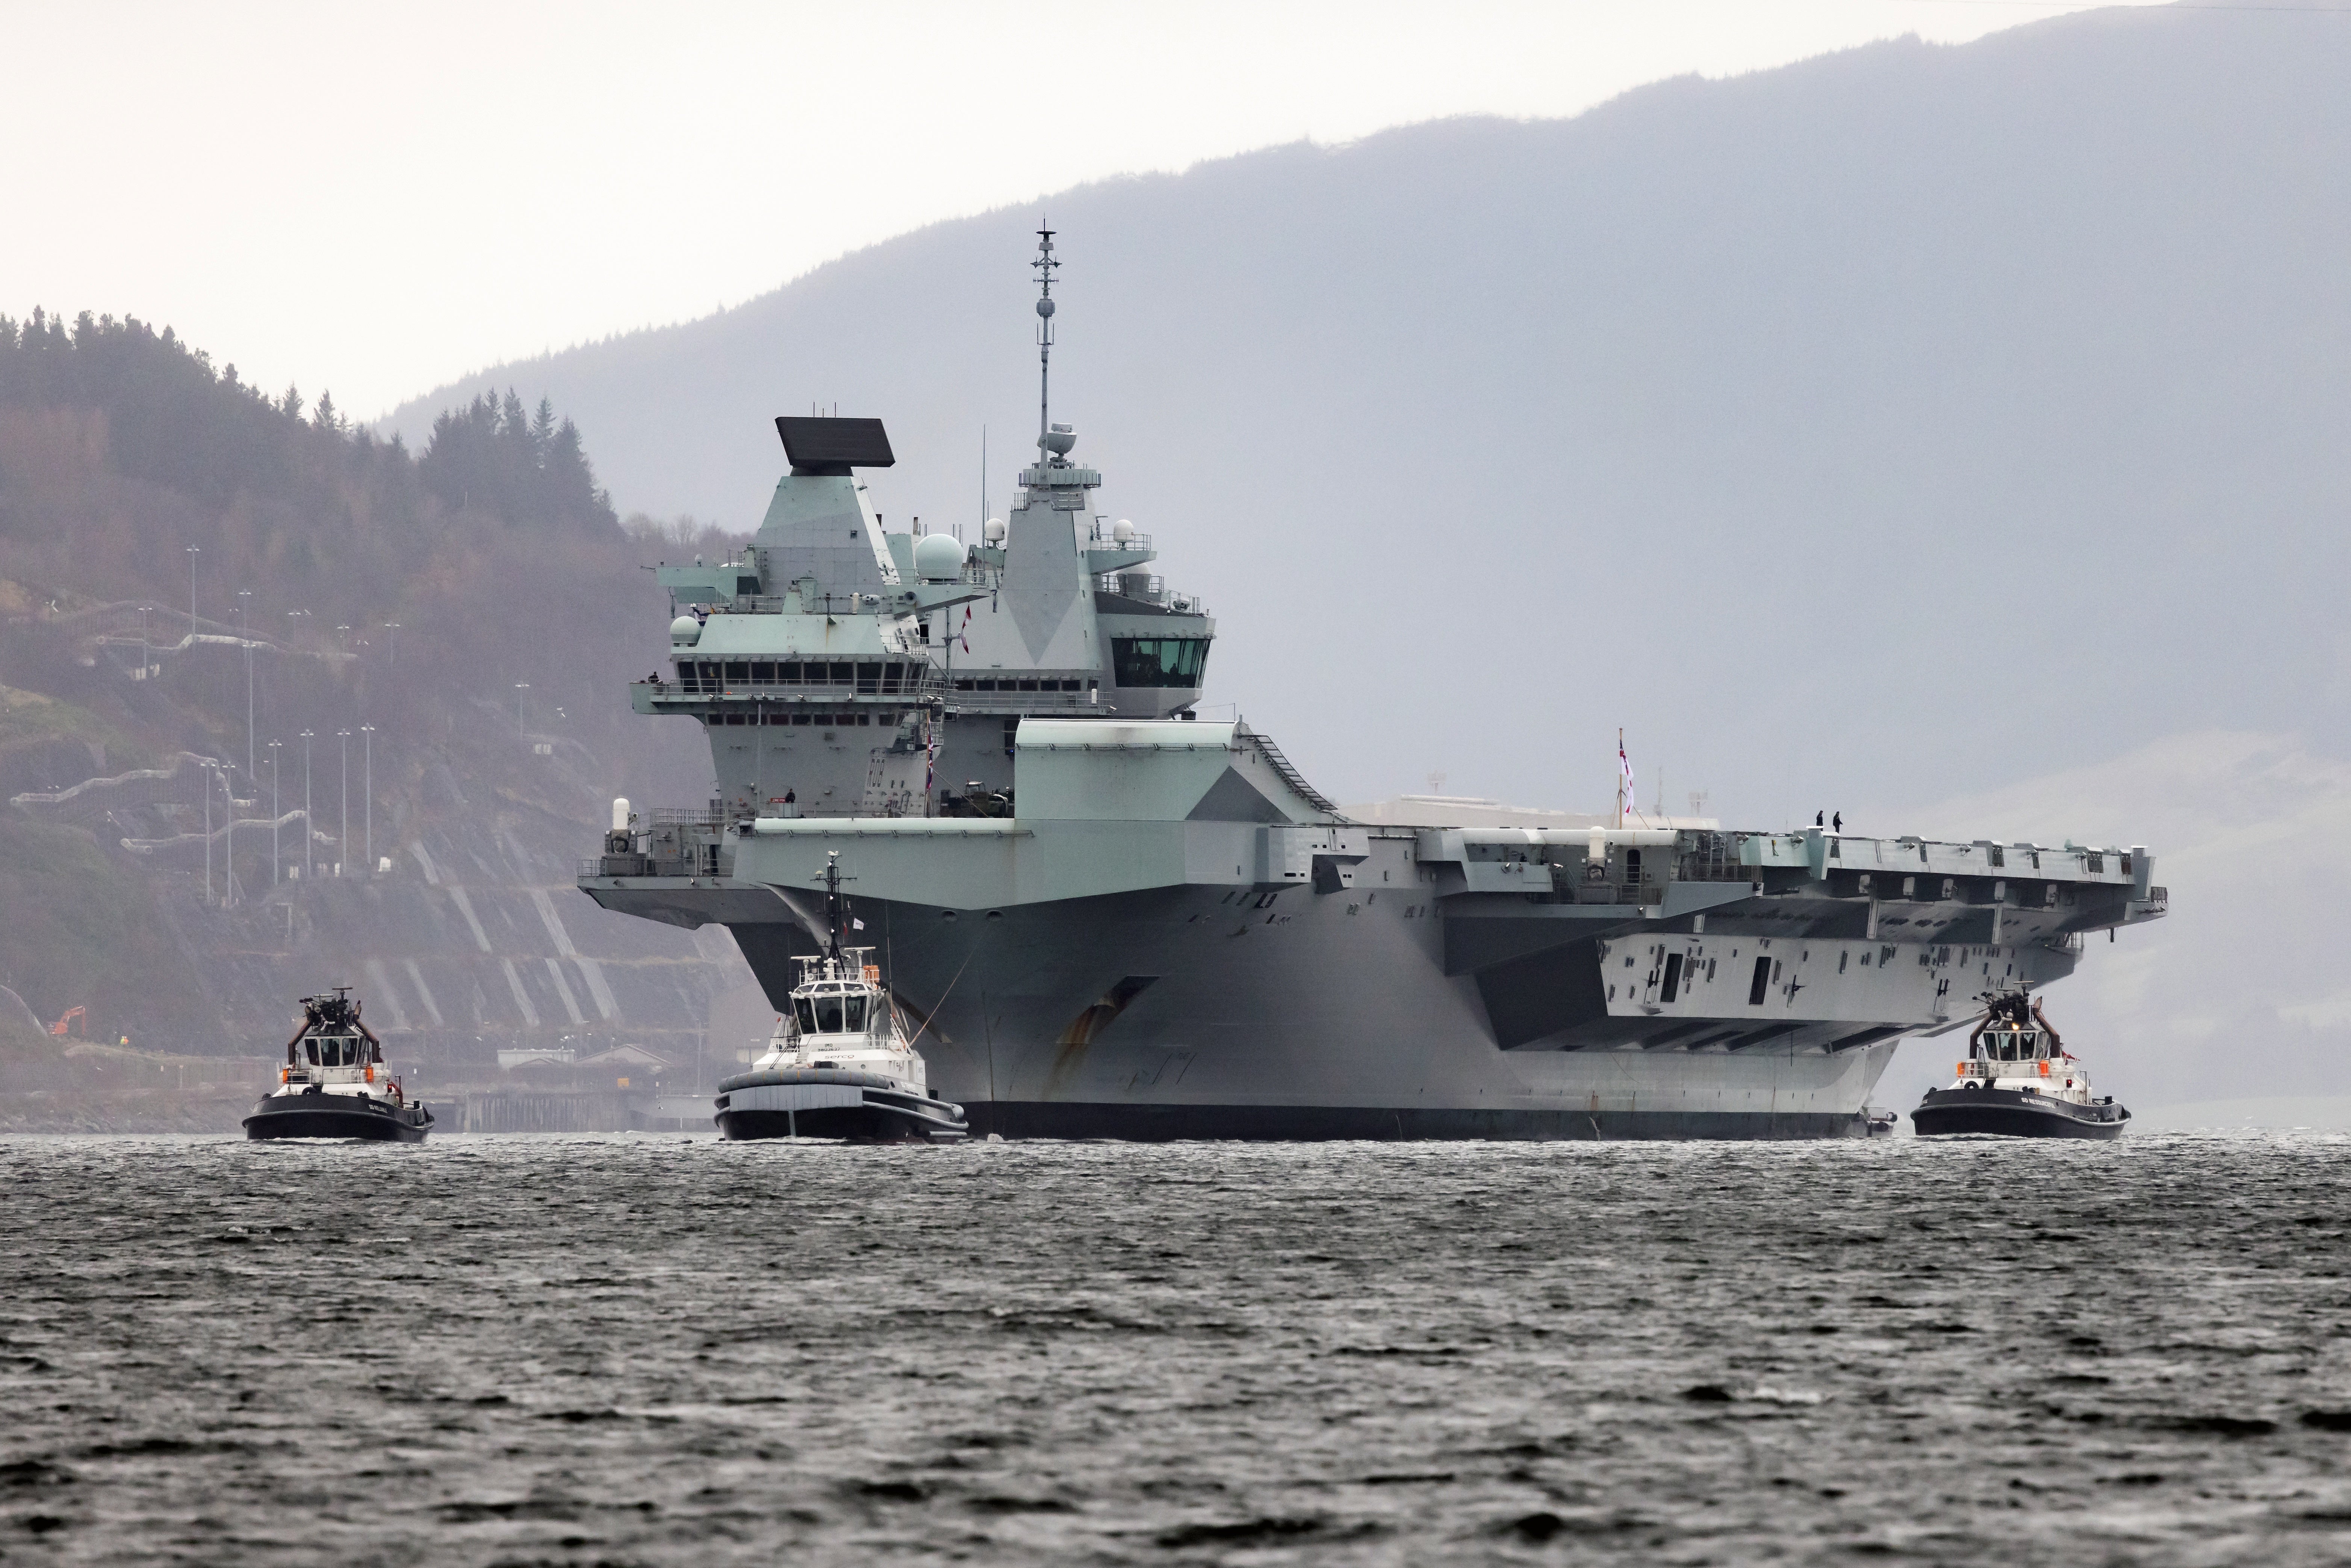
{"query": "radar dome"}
(1122, 531)
(1058, 440)
(685, 632)
(1045, 306)
(938, 558)
(994, 531)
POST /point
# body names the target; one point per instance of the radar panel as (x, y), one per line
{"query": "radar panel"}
(833, 445)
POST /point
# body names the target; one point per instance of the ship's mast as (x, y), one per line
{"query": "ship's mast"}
(832, 905)
(1044, 263)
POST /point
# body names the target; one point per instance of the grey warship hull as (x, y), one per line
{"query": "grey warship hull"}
(1142, 957)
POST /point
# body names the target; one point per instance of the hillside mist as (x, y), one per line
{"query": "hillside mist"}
(454, 626)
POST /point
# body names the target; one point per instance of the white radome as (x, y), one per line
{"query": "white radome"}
(994, 531)
(938, 558)
(685, 632)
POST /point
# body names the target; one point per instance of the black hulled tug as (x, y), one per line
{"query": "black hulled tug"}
(2019, 1081)
(839, 1065)
(334, 1084)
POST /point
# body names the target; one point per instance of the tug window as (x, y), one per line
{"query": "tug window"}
(1159, 660)
(828, 1014)
(806, 1014)
(856, 1014)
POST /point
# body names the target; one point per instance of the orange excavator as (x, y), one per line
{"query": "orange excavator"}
(73, 1016)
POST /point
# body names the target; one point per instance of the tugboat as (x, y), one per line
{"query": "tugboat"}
(2019, 1081)
(839, 1065)
(333, 1084)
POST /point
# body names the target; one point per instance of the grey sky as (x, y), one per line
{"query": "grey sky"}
(379, 200)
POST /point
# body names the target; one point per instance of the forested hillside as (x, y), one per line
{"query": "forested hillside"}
(454, 628)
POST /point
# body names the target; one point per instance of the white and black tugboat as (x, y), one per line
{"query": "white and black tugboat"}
(334, 1084)
(2019, 1081)
(839, 1065)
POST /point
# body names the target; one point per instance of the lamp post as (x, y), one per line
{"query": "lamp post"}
(343, 844)
(310, 828)
(193, 552)
(520, 688)
(393, 627)
(205, 775)
(276, 816)
(144, 657)
(228, 846)
(367, 772)
(244, 636)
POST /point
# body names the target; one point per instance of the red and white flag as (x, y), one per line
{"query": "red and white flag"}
(1624, 806)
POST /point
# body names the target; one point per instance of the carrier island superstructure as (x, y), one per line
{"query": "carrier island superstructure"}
(1112, 919)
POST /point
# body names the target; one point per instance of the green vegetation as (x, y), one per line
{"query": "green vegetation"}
(82, 929)
(417, 595)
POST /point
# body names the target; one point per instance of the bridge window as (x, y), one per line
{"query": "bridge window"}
(869, 677)
(1159, 660)
(789, 674)
(828, 1014)
(737, 671)
(764, 673)
(890, 676)
(841, 675)
(802, 718)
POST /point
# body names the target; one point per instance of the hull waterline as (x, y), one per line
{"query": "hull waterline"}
(374, 1122)
(2011, 1113)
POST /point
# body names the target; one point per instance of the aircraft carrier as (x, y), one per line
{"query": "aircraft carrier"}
(1112, 919)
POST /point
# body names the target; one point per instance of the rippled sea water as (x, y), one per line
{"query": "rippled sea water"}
(660, 1350)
